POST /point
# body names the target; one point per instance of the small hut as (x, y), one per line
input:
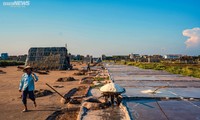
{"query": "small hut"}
(48, 58)
(112, 91)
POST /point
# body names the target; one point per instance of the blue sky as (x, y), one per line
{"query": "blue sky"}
(95, 27)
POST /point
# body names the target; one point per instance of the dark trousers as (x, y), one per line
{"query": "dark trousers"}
(30, 94)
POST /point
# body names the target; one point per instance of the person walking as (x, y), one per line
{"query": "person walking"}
(27, 86)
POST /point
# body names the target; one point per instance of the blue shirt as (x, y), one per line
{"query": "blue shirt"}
(28, 81)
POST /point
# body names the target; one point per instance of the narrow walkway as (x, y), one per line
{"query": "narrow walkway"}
(111, 113)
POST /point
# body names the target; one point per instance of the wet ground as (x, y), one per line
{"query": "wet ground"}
(157, 95)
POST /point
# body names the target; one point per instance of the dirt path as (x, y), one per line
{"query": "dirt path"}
(11, 105)
(111, 113)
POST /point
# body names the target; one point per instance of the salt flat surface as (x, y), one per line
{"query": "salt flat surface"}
(174, 110)
(175, 85)
(149, 85)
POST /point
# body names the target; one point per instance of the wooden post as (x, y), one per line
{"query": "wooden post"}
(56, 91)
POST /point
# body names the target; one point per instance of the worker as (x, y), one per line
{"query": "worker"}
(88, 66)
(112, 99)
(27, 86)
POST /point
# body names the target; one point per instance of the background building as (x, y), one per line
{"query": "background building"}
(172, 56)
(134, 57)
(4, 56)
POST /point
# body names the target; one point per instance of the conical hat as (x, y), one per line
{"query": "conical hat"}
(27, 67)
(112, 87)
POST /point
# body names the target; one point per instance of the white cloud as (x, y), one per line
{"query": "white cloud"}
(194, 37)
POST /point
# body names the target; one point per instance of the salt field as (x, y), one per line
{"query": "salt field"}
(156, 95)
